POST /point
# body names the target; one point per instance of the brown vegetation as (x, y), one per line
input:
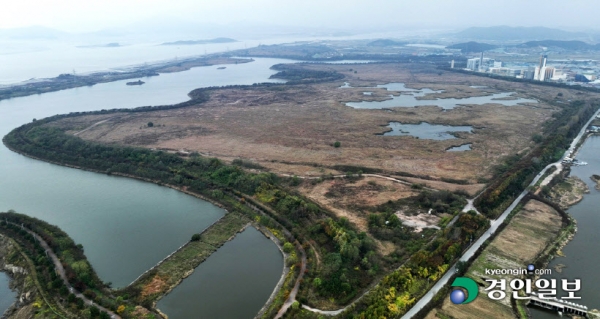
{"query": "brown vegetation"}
(348, 198)
(279, 126)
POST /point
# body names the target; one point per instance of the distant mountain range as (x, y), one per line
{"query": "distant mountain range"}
(567, 45)
(386, 43)
(472, 47)
(194, 42)
(108, 45)
(506, 33)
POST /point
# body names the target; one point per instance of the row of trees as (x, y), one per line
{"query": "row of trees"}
(78, 271)
(517, 174)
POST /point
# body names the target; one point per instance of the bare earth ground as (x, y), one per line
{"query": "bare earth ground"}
(528, 233)
(420, 221)
(346, 198)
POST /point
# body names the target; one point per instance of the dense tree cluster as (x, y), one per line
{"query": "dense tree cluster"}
(298, 75)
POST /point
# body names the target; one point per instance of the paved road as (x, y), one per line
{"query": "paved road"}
(549, 178)
(61, 272)
(494, 226)
(470, 206)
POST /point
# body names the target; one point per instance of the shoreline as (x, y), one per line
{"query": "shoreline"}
(70, 81)
(285, 272)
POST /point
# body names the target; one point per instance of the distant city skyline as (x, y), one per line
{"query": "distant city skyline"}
(86, 16)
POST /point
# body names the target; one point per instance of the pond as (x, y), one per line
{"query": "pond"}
(408, 98)
(427, 131)
(245, 269)
(460, 148)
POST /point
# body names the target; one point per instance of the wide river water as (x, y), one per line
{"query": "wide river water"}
(126, 226)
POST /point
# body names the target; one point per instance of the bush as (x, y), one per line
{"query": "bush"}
(288, 247)
(94, 311)
(337, 144)
(195, 237)
(150, 124)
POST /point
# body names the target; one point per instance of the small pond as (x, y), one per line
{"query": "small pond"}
(427, 131)
(460, 148)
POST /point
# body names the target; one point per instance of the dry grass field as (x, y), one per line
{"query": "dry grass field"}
(292, 128)
(482, 307)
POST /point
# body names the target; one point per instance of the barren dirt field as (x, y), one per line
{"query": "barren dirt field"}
(292, 128)
(346, 198)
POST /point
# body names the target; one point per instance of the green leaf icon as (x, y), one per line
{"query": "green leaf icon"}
(470, 285)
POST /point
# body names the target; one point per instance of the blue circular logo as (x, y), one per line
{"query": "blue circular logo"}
(457, 296)
(530, 267)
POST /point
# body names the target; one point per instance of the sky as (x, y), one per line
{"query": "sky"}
(88, 15)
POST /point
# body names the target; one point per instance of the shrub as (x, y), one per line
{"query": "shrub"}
(195, 237)
(337, 144)
(288, 247)
(150, 124)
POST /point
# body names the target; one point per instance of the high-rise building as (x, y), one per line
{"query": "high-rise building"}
(481, 62)
(473, 64)
(541, 69)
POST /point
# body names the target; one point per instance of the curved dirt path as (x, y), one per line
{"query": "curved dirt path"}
(91, 126)
(292, 297)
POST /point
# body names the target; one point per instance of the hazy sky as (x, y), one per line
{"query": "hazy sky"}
(89, 15)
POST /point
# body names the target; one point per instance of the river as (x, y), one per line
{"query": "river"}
(125, 225)
(581, 254)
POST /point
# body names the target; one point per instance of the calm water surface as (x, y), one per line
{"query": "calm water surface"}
(582, 254)
(425, 130)
(408, 98)
(125, 226)
(245, 269)
(7, 296)
(460, 148)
